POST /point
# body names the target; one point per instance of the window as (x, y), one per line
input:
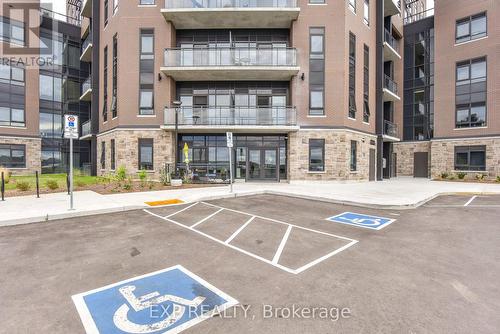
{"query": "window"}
(366, 12)
(146, 75)
(12, 31)
(103, 155)
(470, 158)
(147, 2)
(115, 8)
(106, 12)
(12, 96)
(354, 155)
(352, 5)
(13, 156)
(366, 85)
(146, 154)
(352, 75)
(316, 71)
(50, 125)
(470, 28)
(317, 1)
(105, 81)
(471, 82)
(113, 161)
(114, 102)
(316, 155)
(50, 88)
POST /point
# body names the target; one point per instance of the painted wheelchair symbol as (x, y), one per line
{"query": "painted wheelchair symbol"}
(363, 221)
(122, 321)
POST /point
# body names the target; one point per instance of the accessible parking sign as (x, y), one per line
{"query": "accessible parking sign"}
(166, 301)
(360, 220)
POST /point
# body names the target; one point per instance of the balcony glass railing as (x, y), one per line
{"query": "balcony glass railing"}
(87, 84)
(391, 129)
(390, 84)
(87, 41)
(393, 42)
(86, 128)
(198, 4)
(231, 57)
(231, 116)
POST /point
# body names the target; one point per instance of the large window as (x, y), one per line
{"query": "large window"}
(50, 125)
(115, 6)
(13, 156)
(114, 102)
(316, 155)
(352, 75)
(103, 155)
(113, 154)
(316, 71)
(470, 158)
(105, 82)
(354, 155)
(12, 96)
(352, 5)
(366, 85)
(145, 154)
(470, 28)
(12, 31)
(106, 12)
(471, 82)
(50, 88)
(147, 2)
(146, 76)
(366, 12)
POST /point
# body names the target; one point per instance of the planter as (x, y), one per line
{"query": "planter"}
(176, 182)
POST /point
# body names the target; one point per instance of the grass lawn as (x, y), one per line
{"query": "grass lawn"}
(59, 178)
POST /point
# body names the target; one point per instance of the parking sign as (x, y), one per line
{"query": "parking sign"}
(71, 127)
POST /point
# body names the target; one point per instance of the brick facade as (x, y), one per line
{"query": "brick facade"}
(33, 152)
(127, 150)
(337, 155)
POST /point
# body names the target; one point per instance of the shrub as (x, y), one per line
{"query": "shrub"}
(451, 177)
(498, 179)
(127, 186)
(444, 175)
(52, 184)
(480, 177)
(6, 174)
(142, 175)
(23, 185)
(121, 173)
(461, 175)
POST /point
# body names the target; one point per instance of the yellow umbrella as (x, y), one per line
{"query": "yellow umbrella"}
(186, 153)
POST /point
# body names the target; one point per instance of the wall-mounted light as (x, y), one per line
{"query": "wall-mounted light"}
(303, 76)
(159, 76)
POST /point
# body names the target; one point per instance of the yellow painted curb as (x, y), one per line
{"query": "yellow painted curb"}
(165, 202)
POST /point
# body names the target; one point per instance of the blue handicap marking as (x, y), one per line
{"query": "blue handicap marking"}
(166, 301)
(71, 123)
(360, 220)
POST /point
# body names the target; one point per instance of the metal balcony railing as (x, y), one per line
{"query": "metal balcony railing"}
(393, 42)
(391, 129)
(232, 116)
(231, 57)
(199, 4)
(419, 16)
(86, 128)
(87, 84)
(87, 41)
(390, 84)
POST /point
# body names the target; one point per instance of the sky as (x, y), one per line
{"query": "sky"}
(430, 3)
(58, 6)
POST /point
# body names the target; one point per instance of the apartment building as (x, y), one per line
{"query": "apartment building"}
(40, 80)
(309, 88)
(451, 120)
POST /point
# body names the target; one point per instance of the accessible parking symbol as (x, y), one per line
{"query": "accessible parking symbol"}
(360, 220)
(167, 301)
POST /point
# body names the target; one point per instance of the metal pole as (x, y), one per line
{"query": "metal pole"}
(71, 173)
(3, 187)
(175, 139)
(230, 168)
(37, 185)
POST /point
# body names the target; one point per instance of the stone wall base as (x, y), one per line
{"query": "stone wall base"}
(337, 155)
(33, 154)
(127, 150)
(405, 155)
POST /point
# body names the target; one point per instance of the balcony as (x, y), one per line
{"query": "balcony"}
(391, 132)
(255, 119)
(86, 130)
(87, 48)
(218, 14)
(216, 64)
(390, 89)
(392, 7)
(391, 47)
(87, 8)
(87, 90)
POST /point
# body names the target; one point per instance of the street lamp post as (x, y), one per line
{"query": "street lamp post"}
(177, 105)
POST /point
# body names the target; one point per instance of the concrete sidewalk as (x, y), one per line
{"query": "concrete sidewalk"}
(401, 193)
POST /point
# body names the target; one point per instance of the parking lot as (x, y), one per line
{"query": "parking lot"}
(432, 269)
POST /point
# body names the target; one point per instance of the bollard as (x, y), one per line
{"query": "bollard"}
(3, 187)
(37, 185)
(67, 182)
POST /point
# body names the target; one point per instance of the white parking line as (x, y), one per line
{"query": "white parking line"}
(277, 255)
(239, 230)
(470, 201)
(206, 218)
(184, 209)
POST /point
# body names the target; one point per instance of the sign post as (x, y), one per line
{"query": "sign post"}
(71, 132)
(229, 138)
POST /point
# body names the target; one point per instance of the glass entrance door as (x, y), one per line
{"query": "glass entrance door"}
(262, 164)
